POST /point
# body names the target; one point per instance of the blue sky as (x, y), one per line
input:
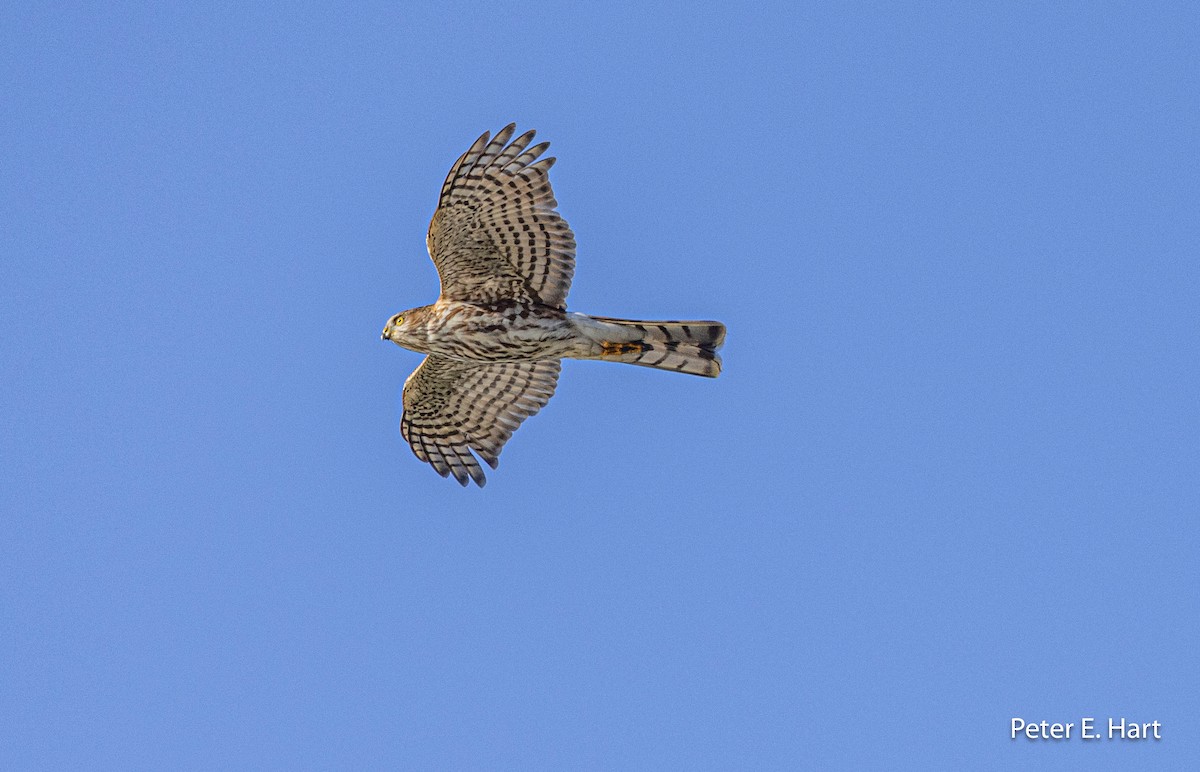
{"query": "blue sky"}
(948, 477)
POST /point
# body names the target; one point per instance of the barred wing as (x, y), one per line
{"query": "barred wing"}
(496, 234)
(452, 407)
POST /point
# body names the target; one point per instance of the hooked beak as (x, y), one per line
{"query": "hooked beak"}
(384, 334)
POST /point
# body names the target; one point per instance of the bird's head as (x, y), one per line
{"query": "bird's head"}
(395, 323)
(401, 328)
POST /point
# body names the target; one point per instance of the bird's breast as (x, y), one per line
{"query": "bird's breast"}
(501, 334)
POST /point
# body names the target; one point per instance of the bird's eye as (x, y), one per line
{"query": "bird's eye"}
(399, 320)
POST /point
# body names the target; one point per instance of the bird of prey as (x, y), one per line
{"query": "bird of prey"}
(496, 336)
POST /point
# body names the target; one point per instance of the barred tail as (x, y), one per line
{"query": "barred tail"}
(686, 347)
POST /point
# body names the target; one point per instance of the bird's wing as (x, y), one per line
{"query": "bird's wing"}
(495, 234)
(452, 407)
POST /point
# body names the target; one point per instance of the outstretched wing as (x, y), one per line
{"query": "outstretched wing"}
(452, 407)
(495, 234)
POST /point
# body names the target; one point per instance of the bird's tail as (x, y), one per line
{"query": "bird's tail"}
(685, 347)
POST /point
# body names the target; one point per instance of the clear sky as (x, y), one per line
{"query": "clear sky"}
(949, 476)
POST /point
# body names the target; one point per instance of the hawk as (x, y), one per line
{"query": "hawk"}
(496, 336)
